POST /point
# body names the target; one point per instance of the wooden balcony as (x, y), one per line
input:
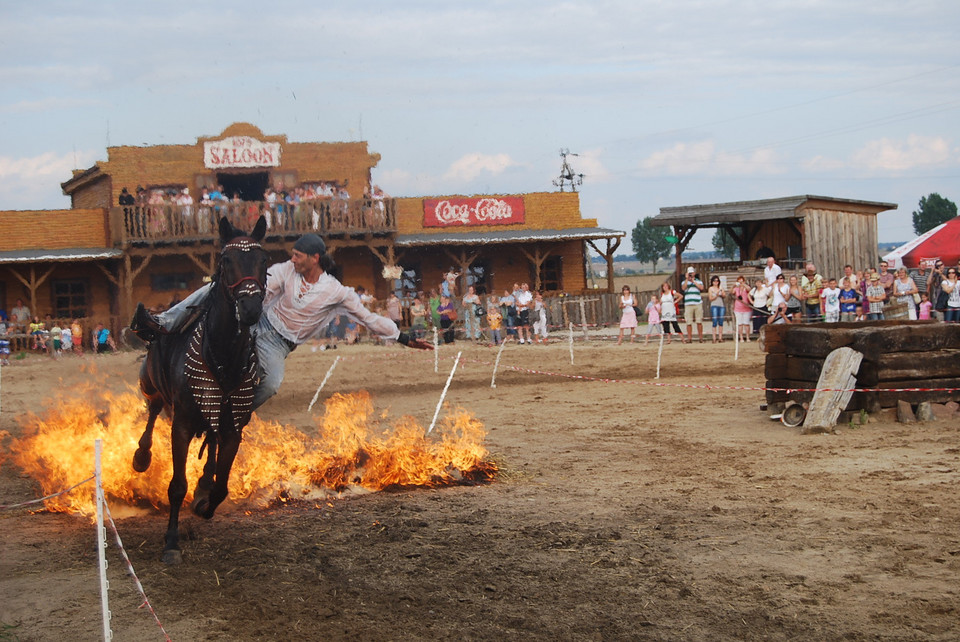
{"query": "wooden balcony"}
(168, 223)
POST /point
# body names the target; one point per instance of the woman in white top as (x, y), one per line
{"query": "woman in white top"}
(951, 286)
(668, 310)
(628, 316)
(760, 294)
(905, 289)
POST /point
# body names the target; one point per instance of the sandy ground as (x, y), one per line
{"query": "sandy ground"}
(622, 511)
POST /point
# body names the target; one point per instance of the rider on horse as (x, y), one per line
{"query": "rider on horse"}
(302, 298)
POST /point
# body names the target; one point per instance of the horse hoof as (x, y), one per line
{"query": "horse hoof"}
(199, 507)
(141, 460)
(172, 557)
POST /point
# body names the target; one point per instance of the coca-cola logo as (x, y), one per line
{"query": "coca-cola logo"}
(492, 209)
(481, 211)
(448, 213)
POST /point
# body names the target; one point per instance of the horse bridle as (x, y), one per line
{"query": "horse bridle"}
(248, 285)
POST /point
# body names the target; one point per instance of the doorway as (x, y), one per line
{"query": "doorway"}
(250, 186)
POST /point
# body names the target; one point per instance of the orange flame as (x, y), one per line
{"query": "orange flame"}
(351, 451)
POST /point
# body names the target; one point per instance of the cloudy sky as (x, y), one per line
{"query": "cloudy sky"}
(666, 103)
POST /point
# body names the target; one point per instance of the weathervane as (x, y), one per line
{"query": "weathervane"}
(567, 177)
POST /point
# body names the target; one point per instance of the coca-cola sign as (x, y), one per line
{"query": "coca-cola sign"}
(240, 151)
(505, 210)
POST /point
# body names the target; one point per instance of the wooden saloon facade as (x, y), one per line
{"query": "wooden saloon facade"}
(829, 232)
(98, 259)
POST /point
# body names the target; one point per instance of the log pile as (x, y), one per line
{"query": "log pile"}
(896, 354)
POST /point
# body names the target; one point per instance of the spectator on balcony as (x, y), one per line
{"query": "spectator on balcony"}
(269, 206)
(849, 298)
(185, 201)
(128, 203)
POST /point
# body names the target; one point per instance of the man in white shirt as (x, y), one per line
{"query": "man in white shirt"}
(771, 271)
(301, 300)
(524, 301)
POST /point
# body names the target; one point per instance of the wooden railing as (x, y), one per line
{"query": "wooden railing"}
(169, 222)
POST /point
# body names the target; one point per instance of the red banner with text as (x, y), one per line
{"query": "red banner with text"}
(447, 212)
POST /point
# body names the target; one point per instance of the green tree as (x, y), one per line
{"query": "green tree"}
(650, 243)
(933, 211)
(725, 245)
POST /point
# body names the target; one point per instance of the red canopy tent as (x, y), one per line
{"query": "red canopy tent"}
(942, 242)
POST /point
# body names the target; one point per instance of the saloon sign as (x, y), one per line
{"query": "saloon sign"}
(448, 212)
(240, 151)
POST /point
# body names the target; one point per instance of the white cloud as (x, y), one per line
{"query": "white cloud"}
(703, 158)
(469, 167)
(898, 155)
(34, 183)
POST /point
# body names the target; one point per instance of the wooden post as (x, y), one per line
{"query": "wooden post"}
(838, 376)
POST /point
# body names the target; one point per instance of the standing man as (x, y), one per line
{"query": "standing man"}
(919, 276)
(524, 303)
(302, 298)
(764, 252)
(886, 279)
(692, 288)
(771, 271)
(811, 284)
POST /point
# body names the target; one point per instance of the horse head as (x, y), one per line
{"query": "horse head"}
(242, 270)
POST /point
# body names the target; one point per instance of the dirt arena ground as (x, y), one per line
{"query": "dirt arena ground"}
(621, 512)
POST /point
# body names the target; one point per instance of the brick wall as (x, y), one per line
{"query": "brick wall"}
(53, 229)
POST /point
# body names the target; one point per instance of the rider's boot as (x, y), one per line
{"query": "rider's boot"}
(145, 325)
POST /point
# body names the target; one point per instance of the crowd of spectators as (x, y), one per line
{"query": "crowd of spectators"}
(162, 211)
(23, 332)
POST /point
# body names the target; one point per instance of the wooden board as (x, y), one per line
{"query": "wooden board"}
(870, 339)
(839, 372)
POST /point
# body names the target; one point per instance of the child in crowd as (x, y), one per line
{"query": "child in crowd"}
(66, 337)
(925, 306)
(831, 301)
(653, 319)
(4, 344)
(495, 319)
(848, 302)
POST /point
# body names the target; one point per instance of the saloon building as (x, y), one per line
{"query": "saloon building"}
(99, 258)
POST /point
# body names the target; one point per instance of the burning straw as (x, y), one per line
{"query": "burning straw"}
(351, 449)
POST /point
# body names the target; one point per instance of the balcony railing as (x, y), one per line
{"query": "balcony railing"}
(170, 222)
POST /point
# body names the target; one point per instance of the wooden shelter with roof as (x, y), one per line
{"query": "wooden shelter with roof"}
(826, 231)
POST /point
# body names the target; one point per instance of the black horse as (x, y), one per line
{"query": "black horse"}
(204, 377)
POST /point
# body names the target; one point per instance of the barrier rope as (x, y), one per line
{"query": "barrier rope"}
(658, 383)
(43, 499)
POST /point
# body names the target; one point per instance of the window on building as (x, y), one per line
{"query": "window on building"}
(71, 298)
(479, 276)
(551, 274)
(171, 281)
